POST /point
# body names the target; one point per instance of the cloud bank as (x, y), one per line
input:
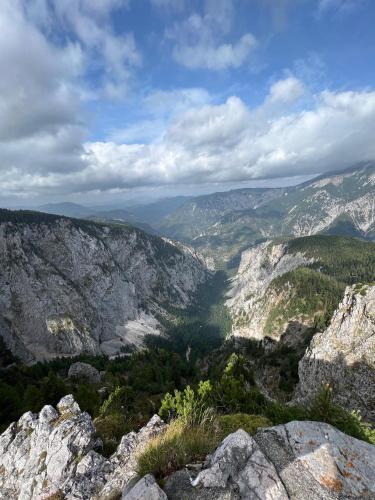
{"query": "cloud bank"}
(187, 136)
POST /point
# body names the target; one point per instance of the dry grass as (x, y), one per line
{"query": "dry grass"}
(179, 445)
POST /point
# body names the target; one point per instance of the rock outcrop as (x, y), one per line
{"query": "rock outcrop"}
(344, 355)
(57, 453)
(251, 299)
(299, 460)
(145, 488)
(69, 286)
(84, 372)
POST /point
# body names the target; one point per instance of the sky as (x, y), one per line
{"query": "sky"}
(127, 99)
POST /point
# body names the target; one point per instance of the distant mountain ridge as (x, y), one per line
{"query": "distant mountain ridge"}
(224, 224)
(142, 216)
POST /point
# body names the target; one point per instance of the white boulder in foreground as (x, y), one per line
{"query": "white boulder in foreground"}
(299, 461)
(56, 455)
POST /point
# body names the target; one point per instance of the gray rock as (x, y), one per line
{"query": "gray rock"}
(54, 453)
(251, 299)
(145, 489)
(178, 486)
(239, 465)
(71, 288)
(84, 372)
(344, 355)
(124, 460)
(316, 461)
(299, 460)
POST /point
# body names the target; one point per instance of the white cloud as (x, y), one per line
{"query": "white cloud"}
(40, 125)
(218, 57)
(227, 143)
(340, 6)
(171, 102)
(200, 41)
(182, 137)
(287, 90)
(89, 22)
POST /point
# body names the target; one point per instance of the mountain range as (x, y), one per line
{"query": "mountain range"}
(222, 225)
(247, 312)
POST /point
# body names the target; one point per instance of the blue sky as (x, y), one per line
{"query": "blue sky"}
(115, 99)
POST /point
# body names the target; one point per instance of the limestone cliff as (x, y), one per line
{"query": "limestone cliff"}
(252, 299)
(344, 355)
(69, 286)
(287, 286)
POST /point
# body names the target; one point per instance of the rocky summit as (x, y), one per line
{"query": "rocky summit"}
(343, 356)
(56, 455)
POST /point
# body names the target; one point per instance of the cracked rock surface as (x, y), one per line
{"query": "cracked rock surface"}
(299, 461)
(55, 453)
(71, 287)
(344, 355)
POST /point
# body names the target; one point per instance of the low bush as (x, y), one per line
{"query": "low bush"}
(189, 406)
(323, 409)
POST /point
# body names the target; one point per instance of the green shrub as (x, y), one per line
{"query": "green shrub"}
(281, 414)
(115, 402)
(178, 446)
(323, 409)
(189, 406)
(249, 423)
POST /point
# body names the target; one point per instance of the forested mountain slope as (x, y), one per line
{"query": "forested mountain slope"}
(284, 287)
(69, 286)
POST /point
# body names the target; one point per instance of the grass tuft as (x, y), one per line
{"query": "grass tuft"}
(178, 446)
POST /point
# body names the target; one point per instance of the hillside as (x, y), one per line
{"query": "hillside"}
(224, 224)
(285, 287)
(69, 286)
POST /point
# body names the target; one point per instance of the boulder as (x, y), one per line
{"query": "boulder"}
(84, 372)
(145, 488)
(54, 454)
(317, 461)
(299, 461)
(239, 461)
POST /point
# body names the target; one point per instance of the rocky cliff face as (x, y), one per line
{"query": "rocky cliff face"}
(344, 355)
(286, 286)
(320, 204)
(251, 299)
(56, 455)
(68, 287)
